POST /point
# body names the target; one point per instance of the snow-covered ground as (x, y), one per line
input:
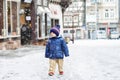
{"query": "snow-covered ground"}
(88, 60)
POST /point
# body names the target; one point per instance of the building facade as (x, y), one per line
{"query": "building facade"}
(9, 23)
(49, 14)
(39, 15)
(102, 15)
(43, 22)
(27, 20)
(56, 14)
(74, 20)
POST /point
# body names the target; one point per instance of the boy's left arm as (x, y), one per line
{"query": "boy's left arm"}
(65, 48)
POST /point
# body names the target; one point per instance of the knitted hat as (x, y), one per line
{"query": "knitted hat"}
(55, 30)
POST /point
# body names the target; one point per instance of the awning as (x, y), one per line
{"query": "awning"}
(40, 10)
(47, 10)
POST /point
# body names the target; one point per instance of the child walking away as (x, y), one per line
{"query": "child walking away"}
(56, 48)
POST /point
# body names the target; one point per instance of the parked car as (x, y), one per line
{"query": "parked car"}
(114, 35)
(101, 34)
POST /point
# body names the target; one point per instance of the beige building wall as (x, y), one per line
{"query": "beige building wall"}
(102, 15)
(113, 9)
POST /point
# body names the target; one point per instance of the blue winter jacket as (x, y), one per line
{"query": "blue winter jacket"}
(56, 48)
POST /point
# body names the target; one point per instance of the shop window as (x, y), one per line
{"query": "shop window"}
(12, 18)
(54, 22)
(65, 31)
(47, 24)
(39, 26)
(46, 31)
(72, 31)
(101, 28)
(1, 17)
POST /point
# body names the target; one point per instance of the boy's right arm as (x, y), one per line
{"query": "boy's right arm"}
(47, 50)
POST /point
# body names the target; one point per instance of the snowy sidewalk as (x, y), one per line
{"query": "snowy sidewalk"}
(89, 60)
(25, 50)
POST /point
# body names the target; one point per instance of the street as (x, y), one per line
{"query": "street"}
(88, 60)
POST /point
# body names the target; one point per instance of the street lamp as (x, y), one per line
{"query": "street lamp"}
(73, 29)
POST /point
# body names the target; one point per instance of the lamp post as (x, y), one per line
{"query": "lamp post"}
(73, 29)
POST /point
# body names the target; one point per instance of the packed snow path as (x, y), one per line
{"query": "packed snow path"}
(89, 60)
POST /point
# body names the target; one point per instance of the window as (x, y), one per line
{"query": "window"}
(39, 26)
(70, 19)
(93, 0)
(66, 19)
(109, 0)
(101, 28)
(45, 3)
(112, 13)
(47, 24)
(75, 18)
(12, 18)
(39, 2)
(1, 17)
(65, 31)
(109, 13)
(72, 31)
(54, 22)
(106, 13)
(112, 0)
(106, 0)
(75, 0)
(46, 30)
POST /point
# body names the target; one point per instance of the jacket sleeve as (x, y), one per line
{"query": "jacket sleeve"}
(65, 48)
(47, 50)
